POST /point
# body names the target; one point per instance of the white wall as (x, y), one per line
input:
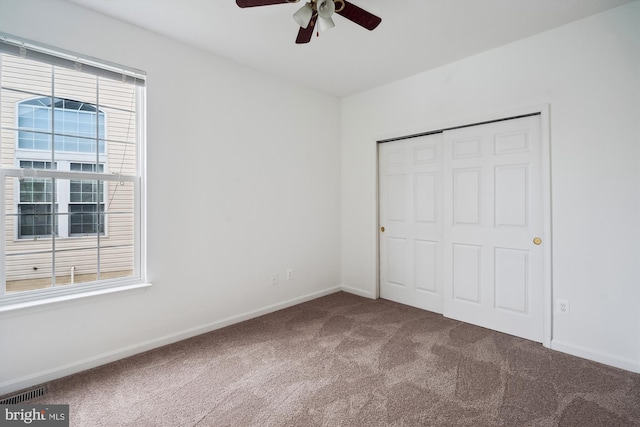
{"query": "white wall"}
(240, 186)
(589, 74)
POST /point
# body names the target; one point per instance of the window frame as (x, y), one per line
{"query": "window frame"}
(24, 299)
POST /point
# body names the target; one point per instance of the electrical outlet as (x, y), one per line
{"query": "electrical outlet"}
(562, 306)
(290, 274)
(274, 279)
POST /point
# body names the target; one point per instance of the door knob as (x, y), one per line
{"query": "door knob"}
(382, 229)
(537, 240)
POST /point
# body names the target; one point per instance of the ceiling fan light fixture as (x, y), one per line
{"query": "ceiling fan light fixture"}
(325, 8)
(325, 24)
(303, 15)
(318, 13)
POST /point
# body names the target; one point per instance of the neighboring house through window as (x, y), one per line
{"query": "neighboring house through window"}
(77, 127)
(71, 174)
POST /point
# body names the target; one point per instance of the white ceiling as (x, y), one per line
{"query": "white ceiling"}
(414, 36)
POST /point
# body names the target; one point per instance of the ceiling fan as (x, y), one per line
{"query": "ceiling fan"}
(319, 12)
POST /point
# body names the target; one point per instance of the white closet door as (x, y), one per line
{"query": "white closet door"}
(493, 269)
(410, 211)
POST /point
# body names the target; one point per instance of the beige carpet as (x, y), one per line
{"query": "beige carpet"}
(343, 360)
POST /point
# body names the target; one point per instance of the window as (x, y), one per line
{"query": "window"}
(86, 206)
(71, 118)
(71, 178)
(85, 197)
(35, 203)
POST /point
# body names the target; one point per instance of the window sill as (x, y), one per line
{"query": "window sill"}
(19, 305)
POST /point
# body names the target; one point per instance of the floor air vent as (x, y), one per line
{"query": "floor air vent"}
(24, 396)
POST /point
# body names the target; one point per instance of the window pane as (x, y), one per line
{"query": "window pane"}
(35, 220)
(77, 264)
(75, 88)
(86, 191)
(70, 144)
(34, 141)
(117, 103)
(42, 114)
(26, 75)
(32, 279)
(36, 190)
(30, 269)
(58, 123)
(26, 117)
(75, 188)
(86, 146)
(35, 164)
(84, 128)
(122, 158)
(84, 219)
(19, 74)
(42, 142)
(116, 261)
(117, 247)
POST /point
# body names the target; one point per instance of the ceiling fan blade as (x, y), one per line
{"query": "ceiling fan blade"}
(305, 34)
(359, 16)
(253, 3)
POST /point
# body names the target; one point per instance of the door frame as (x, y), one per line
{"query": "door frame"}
(543, 111)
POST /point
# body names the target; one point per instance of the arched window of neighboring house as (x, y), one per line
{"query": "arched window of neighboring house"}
(78, 132)
(75, 125)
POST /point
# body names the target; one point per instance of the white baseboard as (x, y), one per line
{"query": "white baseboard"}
(111, 356)
(356, 291)
(607, 359)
